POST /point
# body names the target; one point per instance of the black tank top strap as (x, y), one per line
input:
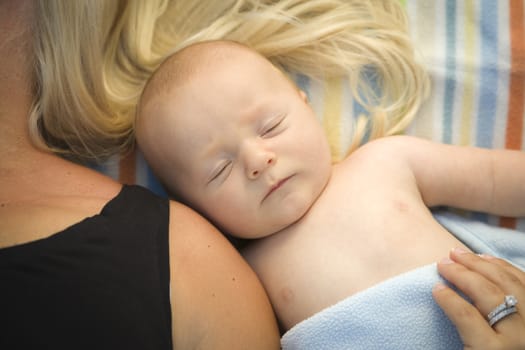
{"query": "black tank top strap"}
(102, 283)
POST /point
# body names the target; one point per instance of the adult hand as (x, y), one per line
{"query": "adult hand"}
(486, 281)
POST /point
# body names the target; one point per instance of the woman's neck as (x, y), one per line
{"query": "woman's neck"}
(15, 80)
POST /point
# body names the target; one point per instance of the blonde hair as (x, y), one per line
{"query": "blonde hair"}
(95, 56)
(90, 56)
(366, 41)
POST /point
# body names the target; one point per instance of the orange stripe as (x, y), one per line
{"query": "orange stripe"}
(517, 82)
(127, 166)
(513, 137)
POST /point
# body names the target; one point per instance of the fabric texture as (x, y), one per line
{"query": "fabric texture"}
(400, 313)
(102, 283)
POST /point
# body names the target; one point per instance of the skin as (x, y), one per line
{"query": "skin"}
(229, 308)
(390, 182)
(235, 150)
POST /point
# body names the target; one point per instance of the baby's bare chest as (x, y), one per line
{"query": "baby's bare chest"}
(366, 236)
(354, 237)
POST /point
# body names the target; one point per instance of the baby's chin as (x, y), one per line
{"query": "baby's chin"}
(279, 221)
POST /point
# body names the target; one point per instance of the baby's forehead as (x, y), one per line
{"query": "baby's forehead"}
(192, 62)
(202, 57)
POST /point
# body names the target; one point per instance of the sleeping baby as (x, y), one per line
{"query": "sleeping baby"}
(230, 135)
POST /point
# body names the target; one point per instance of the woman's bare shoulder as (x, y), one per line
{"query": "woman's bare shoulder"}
(54, 196)
(217, 300)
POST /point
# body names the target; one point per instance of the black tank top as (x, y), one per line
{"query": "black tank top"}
(102, 283)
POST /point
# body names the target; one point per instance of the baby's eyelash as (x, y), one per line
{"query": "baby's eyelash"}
(219, 172)
(273, 126)
(271, 129)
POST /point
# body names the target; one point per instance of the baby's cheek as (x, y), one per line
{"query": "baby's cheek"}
(234, 219)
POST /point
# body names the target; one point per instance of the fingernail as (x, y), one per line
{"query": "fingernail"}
(459, 250)
(486, 256)
(446, 261)
(439, 286)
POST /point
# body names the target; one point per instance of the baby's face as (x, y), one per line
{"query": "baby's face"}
(255, 157)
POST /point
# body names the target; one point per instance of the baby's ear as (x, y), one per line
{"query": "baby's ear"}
(303, 95)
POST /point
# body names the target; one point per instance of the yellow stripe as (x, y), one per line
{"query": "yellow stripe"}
(332, 124)
(465, 130)
(425, 30)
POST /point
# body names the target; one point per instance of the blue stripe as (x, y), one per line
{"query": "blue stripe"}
(146, 177)
(303, 82)
(154, 184)
(369, 75)
(109, 167)
(488, 87)
(358, 110)
(450, 66)
(477, 216)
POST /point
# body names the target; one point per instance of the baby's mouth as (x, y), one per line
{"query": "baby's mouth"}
(276, 186)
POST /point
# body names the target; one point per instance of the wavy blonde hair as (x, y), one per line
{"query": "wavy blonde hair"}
(93, 58)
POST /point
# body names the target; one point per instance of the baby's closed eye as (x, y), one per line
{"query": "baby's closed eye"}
(273, 127)
(220, 171)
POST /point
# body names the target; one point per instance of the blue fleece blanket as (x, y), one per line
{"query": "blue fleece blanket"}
(400, 312)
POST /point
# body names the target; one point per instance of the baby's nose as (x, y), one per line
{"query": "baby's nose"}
(259, 166)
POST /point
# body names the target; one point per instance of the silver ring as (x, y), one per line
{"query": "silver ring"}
(508, 307)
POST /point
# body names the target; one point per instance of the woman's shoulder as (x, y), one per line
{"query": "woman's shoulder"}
(210, 281)
(55, 197)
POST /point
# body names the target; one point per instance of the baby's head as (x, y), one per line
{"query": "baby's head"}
(231, 136)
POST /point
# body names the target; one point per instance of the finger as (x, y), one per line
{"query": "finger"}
(508, 278)
(472, 327)
(519, 274)
(483, 292)
(496, 270)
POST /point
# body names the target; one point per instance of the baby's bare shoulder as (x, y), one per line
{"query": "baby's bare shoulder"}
(394, 147)
(383, 159)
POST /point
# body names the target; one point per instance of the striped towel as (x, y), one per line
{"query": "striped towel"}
(475, 53)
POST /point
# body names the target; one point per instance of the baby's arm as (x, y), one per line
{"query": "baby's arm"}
(486, 180)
